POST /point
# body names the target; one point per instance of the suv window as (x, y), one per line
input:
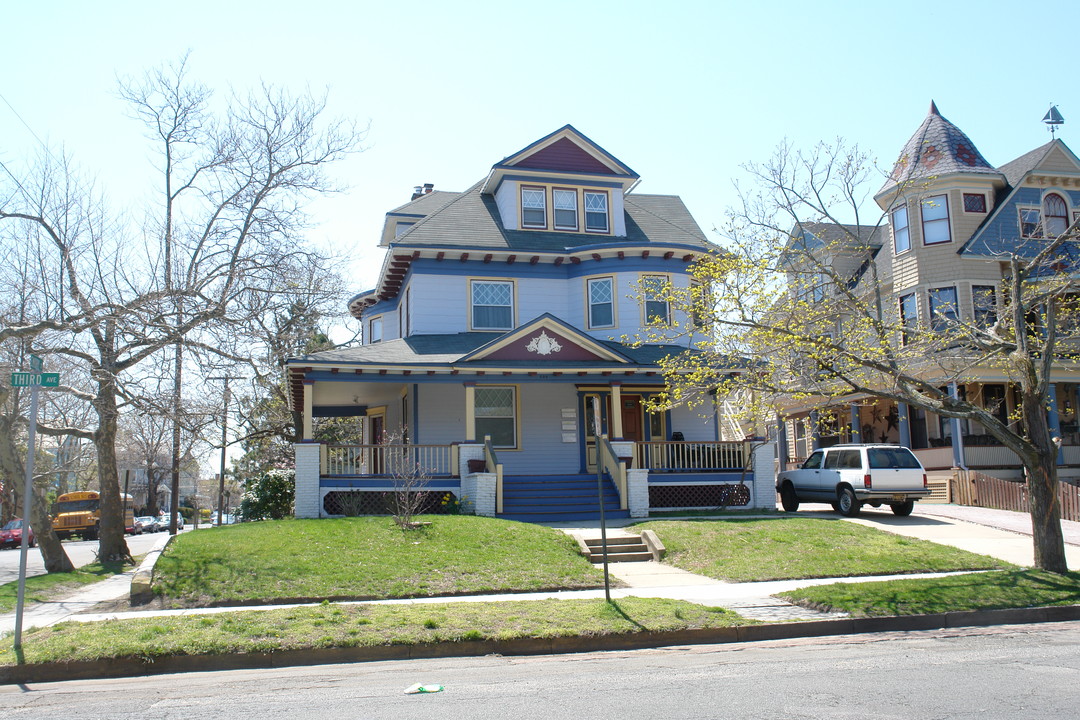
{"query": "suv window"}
(814, 461)
(892, 458)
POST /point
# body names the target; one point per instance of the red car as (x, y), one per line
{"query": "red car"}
(11, 534)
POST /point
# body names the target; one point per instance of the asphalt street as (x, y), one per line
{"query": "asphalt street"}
(1019, 671)
(81, 552)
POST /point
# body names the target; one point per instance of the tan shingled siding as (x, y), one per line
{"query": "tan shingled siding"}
(1057, 161)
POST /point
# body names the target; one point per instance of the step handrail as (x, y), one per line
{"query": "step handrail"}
(615, 467)
(493, 465)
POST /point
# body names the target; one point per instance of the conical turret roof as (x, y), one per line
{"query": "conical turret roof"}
(937, 148)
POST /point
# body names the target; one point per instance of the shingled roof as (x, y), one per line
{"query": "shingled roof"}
(937, 148)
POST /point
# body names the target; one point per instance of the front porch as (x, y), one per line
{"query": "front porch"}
(637, 477)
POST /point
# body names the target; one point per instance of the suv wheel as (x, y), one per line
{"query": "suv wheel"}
(903, 509)
(788, 499)
(849, 504)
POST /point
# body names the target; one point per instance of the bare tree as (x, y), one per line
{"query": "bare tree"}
(801, 300)
(209, 252)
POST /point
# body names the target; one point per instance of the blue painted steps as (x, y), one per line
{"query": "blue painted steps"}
(558, 498)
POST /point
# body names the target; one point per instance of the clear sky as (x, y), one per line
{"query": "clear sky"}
(682, 92)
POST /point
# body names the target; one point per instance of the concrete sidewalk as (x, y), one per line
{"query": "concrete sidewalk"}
(997, 533)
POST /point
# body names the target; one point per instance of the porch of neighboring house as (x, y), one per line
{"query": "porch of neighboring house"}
(940, 443)
(535, 461)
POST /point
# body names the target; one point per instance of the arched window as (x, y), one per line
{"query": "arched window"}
(1055, 215)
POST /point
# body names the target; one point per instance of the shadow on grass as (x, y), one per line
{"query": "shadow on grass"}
(617, 610)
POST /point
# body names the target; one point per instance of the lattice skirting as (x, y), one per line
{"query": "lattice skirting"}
(353, 503)
(698, 496)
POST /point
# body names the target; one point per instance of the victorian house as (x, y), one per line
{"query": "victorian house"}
(510, 349)
(953, 218)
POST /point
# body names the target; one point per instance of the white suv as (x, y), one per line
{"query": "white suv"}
(846, 476)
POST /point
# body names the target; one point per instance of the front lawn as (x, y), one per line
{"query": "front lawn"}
(791, 548)
(41, 588)
(367, 558)
(922, 596)
(331, 626)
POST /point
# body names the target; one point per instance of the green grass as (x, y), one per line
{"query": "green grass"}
(367, 558)
(327, 625)
(41, 588)
(915, 596)
(740, 550)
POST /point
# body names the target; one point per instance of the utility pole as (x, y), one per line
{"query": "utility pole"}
(224, 443)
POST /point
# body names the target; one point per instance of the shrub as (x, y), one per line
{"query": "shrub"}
(269, 496)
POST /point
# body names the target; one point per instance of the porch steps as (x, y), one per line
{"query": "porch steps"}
(619, 549)
(558, 498)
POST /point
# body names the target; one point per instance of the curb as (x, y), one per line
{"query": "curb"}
(140, 581)
(136, 667)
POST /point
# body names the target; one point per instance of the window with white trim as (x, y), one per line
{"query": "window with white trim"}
(492, 305)
(1056, 215)
(564, 203)
(601, 302)
(533, 207)
(657, 308)
(496, 414)
(596, 211)
(375, 330)
(901, 233)
(935, 220)
(1030, 222)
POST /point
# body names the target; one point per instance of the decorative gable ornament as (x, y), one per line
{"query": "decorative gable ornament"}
(544, 344)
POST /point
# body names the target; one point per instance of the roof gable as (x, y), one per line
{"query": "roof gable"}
(564, 154)
(564, 151)
(546, 338)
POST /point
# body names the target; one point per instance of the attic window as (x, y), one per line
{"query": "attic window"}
(1057, 215)
(596, 212)
(974, 203)
(533, 207)
(565, 204)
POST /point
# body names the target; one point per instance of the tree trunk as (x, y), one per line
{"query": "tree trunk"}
(1042, 481)
(112, 546)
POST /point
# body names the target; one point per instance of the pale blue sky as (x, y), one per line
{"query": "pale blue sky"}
(683, 92)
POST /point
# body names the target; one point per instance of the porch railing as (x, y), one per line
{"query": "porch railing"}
(690, 456)
(389, 460)
(613, 465)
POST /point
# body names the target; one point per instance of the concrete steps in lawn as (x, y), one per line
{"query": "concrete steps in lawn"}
(619, 549)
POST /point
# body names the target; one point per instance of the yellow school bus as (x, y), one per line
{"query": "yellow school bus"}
(79, 513)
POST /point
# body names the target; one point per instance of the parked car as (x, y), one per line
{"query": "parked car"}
(164, 522)
(135, 528)
(847, 476)
(149, 523)
(11, 534)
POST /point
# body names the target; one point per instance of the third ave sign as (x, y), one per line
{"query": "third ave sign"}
(25, 379)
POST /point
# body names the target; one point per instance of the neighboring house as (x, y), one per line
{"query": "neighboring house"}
(505, 312)
(952, 219)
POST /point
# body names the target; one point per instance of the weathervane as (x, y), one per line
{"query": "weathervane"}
(1053, 119)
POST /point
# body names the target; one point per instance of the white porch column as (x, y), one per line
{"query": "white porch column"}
(477, 489)
(763, 493)
(470, 412)
(308, 494)
(616, 411)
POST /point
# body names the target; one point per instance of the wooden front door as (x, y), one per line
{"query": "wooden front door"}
(378, 427)
(632, 425)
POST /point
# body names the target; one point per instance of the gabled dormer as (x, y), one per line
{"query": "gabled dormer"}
(425, 201)
(563, 183)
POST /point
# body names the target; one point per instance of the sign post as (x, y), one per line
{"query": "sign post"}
(32, 380)
(600, 492)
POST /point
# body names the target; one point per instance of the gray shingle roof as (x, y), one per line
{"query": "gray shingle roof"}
(1015, 170)
(937, 148)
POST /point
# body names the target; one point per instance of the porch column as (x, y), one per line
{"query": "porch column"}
(856, 429)
(957, 436)
(616, 411)
(781, 442)
(1053, 419)
(470, 412)
(815, 431)
(903, 415)
(309, 404)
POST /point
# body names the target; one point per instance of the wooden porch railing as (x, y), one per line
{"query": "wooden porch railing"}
(690, 456)
(493, 465)
(978, 490)
(387, 460)
(613, 466)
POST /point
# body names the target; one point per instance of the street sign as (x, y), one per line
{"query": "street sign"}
(25, 379)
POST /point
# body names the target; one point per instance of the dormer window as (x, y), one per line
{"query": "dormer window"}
(596, 211)
(533, 207)
(565, 203)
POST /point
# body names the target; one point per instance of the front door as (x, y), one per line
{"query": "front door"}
(378, 427)
(632, 425)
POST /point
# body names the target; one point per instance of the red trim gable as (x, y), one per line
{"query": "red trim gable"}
(564, 154)
(544, 344)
